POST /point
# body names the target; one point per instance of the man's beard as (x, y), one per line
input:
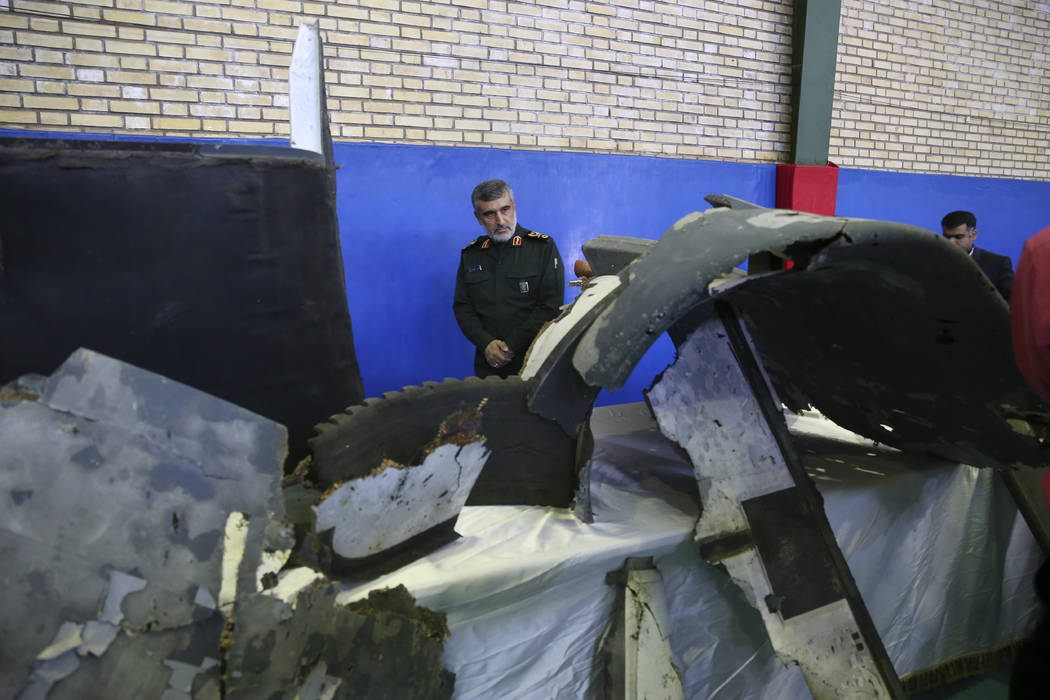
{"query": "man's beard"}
(504, 237)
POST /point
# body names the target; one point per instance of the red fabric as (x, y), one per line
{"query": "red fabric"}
(1030, 321)
(1030, 313)
(810, 188)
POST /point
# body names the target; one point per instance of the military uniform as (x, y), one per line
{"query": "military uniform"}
(507, 291)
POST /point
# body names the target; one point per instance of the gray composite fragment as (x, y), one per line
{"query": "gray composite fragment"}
(607, 255)
(118, 483)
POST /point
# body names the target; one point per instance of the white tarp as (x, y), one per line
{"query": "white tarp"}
(939, 551)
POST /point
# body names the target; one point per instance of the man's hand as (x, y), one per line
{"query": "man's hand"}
(497, 354)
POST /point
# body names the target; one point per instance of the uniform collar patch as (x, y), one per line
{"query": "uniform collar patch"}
(516, 241)
(486, 243)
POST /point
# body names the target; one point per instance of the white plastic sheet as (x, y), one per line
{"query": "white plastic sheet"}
(938, 550)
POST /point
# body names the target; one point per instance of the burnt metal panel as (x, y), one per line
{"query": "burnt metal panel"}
(382, 647)
(218, 266)
(398, 513)
(794, 554)
(674, 276)
(557, 391)
(899, 337)
(533, 460)
(716, 403)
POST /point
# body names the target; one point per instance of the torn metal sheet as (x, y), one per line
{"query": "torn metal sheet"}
(754, 494)
(634, 653)
(533, 461)
(389, 507)
(554, 333)
(304, 645)
(375, 523)
(118, 485)
(658, 301)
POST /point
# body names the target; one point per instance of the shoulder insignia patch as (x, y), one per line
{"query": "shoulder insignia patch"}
(475, 242)
(535, 234)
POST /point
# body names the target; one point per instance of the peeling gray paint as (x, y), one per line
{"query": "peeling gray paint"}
(120, 586)
(125, 546)
(704, 403)
(163, 576)
(375, 512)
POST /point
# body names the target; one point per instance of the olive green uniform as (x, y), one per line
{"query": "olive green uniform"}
(507, 291)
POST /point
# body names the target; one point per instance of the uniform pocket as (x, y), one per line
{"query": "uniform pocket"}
(524, 286)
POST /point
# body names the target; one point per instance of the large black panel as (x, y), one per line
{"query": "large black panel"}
(902, 339)
(217, 266)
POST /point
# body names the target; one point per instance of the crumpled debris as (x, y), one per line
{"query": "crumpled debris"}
(308, 646)
(146, 547)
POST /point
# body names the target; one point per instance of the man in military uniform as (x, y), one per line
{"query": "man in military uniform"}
(510, 282)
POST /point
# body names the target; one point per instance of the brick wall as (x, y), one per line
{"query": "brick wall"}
(692, 79)
(919, 86)
(958, 87)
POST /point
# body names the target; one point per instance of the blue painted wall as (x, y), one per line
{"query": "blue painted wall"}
(405, 213)
(1008, 211)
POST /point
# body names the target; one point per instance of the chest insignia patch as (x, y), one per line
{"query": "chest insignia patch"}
(523, 286)
(476, 268)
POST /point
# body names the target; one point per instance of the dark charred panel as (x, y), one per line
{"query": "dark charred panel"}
(216, 266)
(382, 647)
(899, 338)
(793, 551)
